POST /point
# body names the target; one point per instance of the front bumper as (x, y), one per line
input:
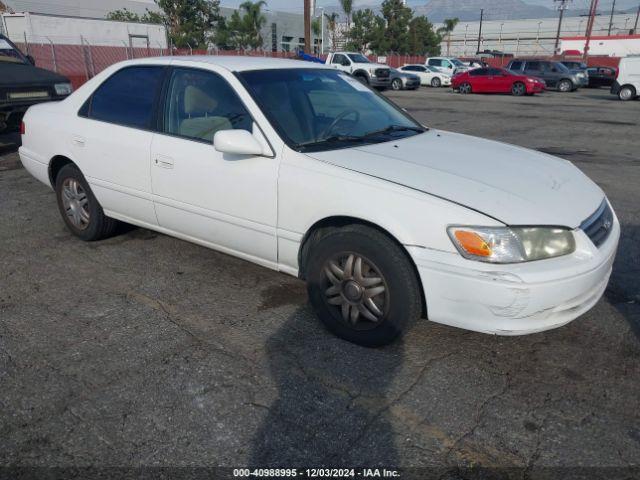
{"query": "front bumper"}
(446, 81)
(379, 81)
(411, 84)
(515, 299)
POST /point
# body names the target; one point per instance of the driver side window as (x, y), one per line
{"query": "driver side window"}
(200, 103)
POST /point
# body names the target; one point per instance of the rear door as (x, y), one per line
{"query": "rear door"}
(112, 139)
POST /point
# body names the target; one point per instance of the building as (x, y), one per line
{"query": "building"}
(530, 36)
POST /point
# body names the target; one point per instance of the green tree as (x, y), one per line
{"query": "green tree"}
(423, 40)
(190, 22)
(367, 32)
(447, 29)
(332, 26)
(347, 8)
(126, 15)
(241, 32)
(397, 17)
(252, 23)
(316, 30)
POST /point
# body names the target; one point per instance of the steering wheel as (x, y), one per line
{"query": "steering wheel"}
(325, 133)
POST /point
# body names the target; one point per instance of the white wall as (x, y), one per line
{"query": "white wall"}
(69, 30)
(613, 47)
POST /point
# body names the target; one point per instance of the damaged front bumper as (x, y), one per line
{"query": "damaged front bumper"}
(515, 299)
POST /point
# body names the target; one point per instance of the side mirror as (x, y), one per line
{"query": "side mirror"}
(31, 60)
(237, 142)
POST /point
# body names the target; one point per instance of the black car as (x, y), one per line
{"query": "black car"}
(22, 84)
(555, 74)
(601, 76)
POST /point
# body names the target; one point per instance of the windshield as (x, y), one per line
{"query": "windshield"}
(8, 53)
(560, 67)
(322, 109)
(357, 58)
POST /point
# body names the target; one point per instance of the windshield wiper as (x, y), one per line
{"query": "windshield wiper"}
(393, 128)
(332, 139)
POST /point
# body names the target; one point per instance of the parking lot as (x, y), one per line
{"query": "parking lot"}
(144, 350)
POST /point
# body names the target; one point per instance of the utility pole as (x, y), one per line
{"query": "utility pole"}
(613, 8)
(592, 18)
(480, 31)
(635, 28)
(307, 26)
(562, 7)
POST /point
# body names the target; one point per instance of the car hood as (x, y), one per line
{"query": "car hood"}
(21, 74)
(514, 185)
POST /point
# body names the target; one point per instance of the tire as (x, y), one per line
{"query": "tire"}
(627, 93)
(74, 195)
(565, 85)
(396, 84)
(436, 82)
(385, 272)
(518, 89)
(465, 88)
(363, 78)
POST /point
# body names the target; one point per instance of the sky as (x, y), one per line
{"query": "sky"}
(297, 5)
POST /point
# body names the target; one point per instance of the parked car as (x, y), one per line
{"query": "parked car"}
(496, 80)
(404, 80)
(374, 74)
(601, 76)
(627, 83)
(22, 85)
(555, 74)
(305, 170)
(449, 65)
(428, 75)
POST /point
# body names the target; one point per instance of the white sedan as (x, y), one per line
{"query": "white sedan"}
(428, 75)
(304, 170)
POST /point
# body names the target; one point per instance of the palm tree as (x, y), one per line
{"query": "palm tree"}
(253, 21)
(332, 22)
(347, 8)
(447, 29)
(316, 29)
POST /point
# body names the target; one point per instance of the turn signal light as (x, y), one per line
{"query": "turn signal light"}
(473, 243)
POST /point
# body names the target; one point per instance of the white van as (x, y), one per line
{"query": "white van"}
(627, 84)
(449, 65)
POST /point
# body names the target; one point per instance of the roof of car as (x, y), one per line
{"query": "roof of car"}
(237, 63)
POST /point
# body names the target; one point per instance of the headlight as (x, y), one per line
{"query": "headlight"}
(512, 244)
(63, 88)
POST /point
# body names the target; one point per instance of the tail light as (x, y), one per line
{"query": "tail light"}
(23, 128)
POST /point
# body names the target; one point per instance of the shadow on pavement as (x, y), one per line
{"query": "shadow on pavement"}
(332, 401)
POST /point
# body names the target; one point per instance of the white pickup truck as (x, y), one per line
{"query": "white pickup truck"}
(374, 74)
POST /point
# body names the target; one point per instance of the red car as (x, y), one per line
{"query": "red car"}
(496, 80)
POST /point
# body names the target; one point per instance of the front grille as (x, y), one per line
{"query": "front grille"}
(599, 225)
(382, 72)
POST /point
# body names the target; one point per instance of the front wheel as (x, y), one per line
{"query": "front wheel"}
(565, 86)
(362, 286)
(465, 88)
(626, 93)
(518, 89)
(396, 84)
(79, 208)
(436, 82)
(362, 79)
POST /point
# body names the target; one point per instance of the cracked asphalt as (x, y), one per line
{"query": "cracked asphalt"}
(147, 351)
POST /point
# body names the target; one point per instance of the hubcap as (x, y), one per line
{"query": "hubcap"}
(357, 289)
(625, 93)
(75, 203)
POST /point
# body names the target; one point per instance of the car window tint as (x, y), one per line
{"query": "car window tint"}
(201, 103)
(478, 72)
(338, 58)
(127, 97)
(495, 71)
(533, 66)
(434, 62)
(515, 66)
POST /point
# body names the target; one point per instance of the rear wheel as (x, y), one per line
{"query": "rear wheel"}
(627, 93)
(465, 88)
(362, 285)
(518, 89)
(396, 84)
(565, 85)
(436, 82)
(79, 208)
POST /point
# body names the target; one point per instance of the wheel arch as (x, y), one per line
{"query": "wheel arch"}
(361, 73)
(55, 165)
(315, 233)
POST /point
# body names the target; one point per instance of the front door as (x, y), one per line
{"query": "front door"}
(227, 201)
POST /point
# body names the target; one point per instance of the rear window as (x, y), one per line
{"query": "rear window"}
(127, 97)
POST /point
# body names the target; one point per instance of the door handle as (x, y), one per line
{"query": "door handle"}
(163, 161)
(78, 141)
